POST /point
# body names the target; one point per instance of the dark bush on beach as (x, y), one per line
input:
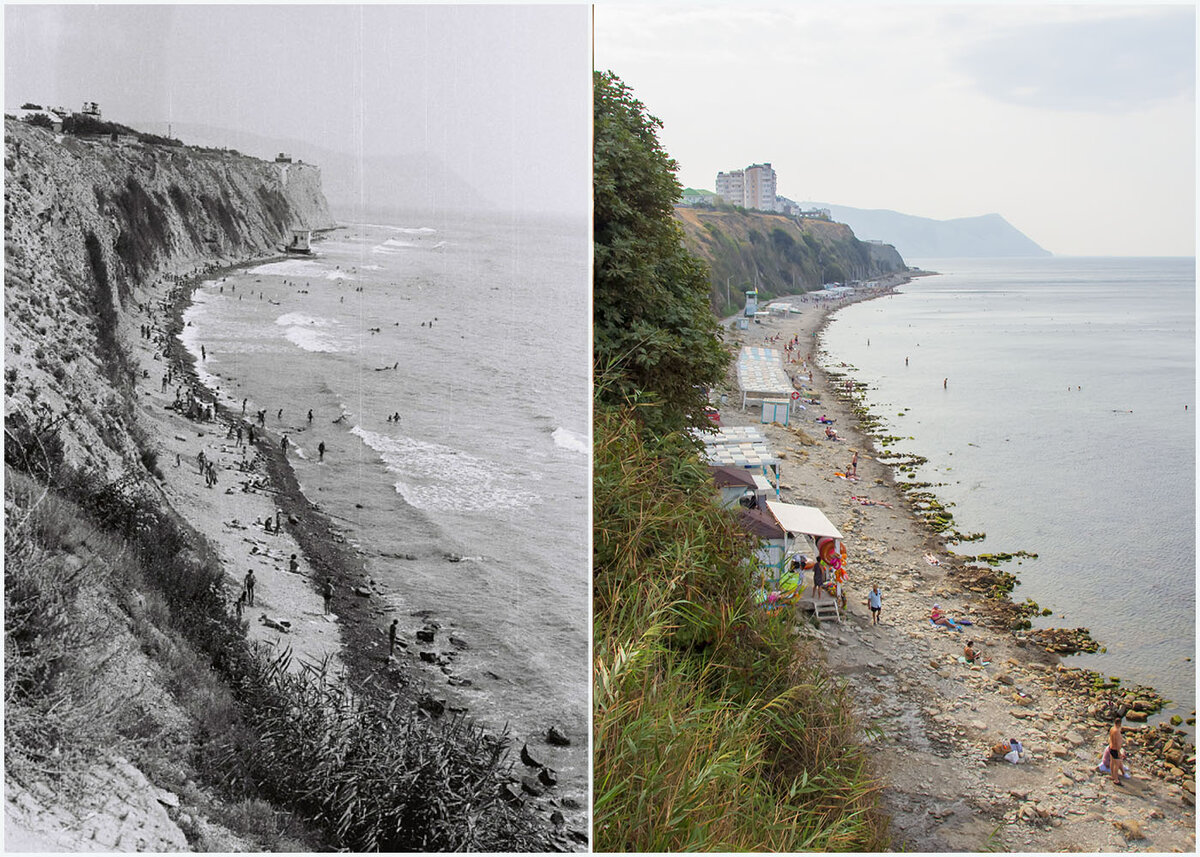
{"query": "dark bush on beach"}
(371, 774)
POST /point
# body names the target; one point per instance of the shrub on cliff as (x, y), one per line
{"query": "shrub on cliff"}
(655, 339)
(39, 120)
(712, 732)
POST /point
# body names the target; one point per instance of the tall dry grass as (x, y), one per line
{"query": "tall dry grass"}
(714, 729)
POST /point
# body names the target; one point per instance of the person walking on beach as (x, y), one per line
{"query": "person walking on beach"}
(392, 637)
(1116, 743)
(945, 381)
(853, 469)
(283, 442)
(321, 451)
(240, 604)
(875, 602)
(328, 593)
(250, 587)
(310, 416)
(294, 565)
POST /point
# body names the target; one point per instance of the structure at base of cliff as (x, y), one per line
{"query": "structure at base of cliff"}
(88, 221)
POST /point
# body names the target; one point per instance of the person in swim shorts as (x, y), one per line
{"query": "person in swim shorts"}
(1116, 743)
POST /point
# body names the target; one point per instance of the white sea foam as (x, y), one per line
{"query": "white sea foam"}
(437, 477)
(309, 332)
(412, 230)
(298, 318)
(300, 268)
(567, 439)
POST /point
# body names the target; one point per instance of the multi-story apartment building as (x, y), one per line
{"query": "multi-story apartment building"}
(753, 187)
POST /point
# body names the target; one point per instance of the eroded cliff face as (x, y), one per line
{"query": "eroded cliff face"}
(779, 253)
(90, 227)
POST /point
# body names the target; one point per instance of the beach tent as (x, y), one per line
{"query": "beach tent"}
(826, 538)
(760, 374)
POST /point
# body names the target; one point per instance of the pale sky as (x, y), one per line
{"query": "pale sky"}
(1074, 122)
(501, 93)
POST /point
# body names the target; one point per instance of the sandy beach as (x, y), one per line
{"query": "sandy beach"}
(933, 719)
(291, 565)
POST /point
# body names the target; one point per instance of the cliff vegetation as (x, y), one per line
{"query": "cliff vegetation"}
(126, 671)
(777, 254)
(712, 730)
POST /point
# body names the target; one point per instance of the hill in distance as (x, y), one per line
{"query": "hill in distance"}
(410, 182)
(988, 235)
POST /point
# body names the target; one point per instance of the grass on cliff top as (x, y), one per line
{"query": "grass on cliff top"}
(713, 731)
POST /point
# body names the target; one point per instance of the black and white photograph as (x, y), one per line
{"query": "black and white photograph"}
(297, 435)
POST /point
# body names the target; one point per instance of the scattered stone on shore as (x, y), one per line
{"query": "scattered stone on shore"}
(557, 737)
(433, 707)
(427, 633)
(531, 786)
(548, 777)
(528, 758)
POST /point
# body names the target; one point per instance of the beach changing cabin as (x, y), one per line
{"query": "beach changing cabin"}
(301, 242)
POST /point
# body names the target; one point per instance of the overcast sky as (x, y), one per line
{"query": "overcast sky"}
(501, 93)
(1074, 122)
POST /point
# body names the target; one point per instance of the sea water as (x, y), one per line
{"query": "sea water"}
(473, 505)
(1055, 402)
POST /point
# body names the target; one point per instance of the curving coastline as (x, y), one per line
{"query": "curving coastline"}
(353, 638)
(936, 718)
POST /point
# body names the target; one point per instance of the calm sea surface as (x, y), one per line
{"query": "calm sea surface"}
(1066, 427)
(476, 333)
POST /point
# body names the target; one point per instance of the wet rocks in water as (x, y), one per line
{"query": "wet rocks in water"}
(458, 642)
(427, 634)
(528, 758)
(548, 777)
(362, 592)
(557, 737)
(1065, 641)
(429, 657)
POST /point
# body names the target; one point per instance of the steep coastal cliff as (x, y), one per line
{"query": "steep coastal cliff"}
(782, 255)
(142, 711)
(89, 221)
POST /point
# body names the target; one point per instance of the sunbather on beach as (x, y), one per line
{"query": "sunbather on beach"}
(830, 433)
(937, 617)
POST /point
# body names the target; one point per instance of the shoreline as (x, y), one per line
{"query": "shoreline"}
(937, 718)
(945, 541)
(353, 639)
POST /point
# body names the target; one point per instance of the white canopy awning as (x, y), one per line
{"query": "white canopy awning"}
(808, 520)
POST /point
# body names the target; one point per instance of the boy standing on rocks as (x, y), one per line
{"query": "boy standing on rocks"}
(1115, 742)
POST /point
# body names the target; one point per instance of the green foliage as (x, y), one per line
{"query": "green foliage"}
(711, 732)
(655, 339)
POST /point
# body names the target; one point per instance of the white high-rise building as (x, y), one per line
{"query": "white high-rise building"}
(753, 187)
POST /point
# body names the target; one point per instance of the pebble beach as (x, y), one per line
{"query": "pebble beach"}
(934, 720)
(256, 485)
